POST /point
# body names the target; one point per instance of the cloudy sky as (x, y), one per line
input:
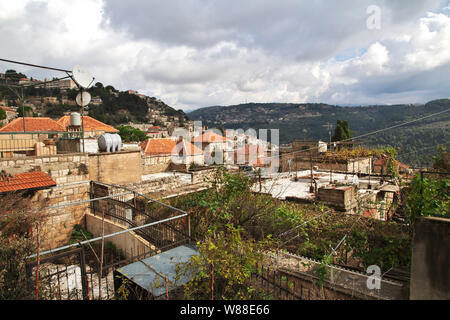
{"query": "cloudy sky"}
(197, 53)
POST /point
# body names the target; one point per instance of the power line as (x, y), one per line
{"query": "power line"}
(373, 132)
(35, 65)
(343, 238)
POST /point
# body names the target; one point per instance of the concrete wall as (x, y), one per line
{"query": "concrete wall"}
(116, 167)
(430, 266)
(129, 243)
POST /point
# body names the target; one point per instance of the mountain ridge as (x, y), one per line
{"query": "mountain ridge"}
(309, 121)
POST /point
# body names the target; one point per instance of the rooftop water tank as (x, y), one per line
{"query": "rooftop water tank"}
(75, 119)
(116, 142)
(108, 142)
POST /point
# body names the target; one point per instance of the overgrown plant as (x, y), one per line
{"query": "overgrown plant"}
(230, 259)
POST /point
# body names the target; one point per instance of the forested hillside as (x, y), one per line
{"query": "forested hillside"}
(416, 141)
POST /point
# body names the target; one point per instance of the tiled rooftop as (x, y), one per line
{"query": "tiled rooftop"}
(166, 146)
(28, 180)
(89, 123)
(32, 125)
(209, 137)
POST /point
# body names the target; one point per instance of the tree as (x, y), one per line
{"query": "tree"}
(27, 110)
(442, 160)
(231, 259)
(342, 131)
(130, 134)
(2, 114)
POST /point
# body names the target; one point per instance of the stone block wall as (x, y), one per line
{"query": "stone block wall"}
(342, 198)
(70, 172)
(202, 175)
(361, 165)
(157, 185)
(116, 167)
(155, 164)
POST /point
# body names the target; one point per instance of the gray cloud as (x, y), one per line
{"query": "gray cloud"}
(195, 53)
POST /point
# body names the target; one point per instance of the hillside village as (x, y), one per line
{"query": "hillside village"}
(86, 174)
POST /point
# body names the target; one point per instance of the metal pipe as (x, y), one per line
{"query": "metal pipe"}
(167, 288)
(109, 235)
(101, 257)
(38, 260)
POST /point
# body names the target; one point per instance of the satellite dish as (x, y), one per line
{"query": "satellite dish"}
(82, 76)
(86, 98)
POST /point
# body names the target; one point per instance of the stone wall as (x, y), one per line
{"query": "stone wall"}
(116, 167)
(70, 172)
(342, 198)
(430, 263)
(361, 165)
(155, 164)
(203, 175)
(157, 185)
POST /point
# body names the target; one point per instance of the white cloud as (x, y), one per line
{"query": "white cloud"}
(194, 53)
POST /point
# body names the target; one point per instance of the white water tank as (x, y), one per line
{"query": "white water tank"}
(75, 119)
(108, 142)
(116, 142)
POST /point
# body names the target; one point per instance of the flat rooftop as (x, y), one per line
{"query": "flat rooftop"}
(282, 185)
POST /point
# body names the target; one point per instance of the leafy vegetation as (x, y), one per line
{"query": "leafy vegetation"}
(230, 213)
(428, 197)
(130, 134)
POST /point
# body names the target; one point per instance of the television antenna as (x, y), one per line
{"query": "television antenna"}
(84, 80)
(82, 77)
(83, 98)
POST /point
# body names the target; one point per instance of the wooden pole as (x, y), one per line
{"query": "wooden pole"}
(212, 281)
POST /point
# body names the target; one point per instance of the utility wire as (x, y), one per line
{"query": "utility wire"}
(343, 238)
(373, 132)
(34, 65)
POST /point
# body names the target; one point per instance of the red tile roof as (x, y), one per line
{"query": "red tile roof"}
(370, 213)
(32, 125)
(383, 162)
(209, 137)
(154, 128)
(28, 180)
(166, 146)
(8, 109)
(89, 123)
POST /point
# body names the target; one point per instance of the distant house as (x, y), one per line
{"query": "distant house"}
(157, 132)
(316, 147)
(381, 166)
(252, 154)
(10, 113)
(211, 143)
(177, 151)
(92, 127)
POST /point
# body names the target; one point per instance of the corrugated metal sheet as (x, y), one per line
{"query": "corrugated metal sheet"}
(164, 264)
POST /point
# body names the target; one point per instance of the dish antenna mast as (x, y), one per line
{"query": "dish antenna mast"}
(84, 80)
